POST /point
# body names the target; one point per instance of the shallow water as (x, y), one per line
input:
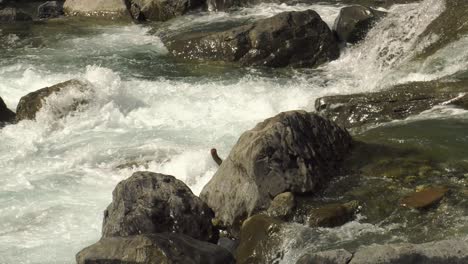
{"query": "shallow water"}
(58, 174)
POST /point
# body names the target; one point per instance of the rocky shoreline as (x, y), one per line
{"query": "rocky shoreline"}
(276, 170)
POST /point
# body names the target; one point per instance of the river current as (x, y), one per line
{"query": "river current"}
(164, 115)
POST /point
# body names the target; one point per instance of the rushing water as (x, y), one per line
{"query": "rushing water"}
(57, 175)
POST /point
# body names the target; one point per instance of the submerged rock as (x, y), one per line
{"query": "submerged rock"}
(338, 256)
(440, 252)
(333, 215)
(355, 110)
(259, 235)
(162, 10)
(154, 249)
(11, 14)
(50, 9)
(294, 151)
(297, 39)
(31, 103)
(6, 115)
(424, 198)
(148, 203)
(353, 22)
(99, 8)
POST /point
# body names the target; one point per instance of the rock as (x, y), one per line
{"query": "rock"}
(399, 102)
(282, 205)
(297, 39)
(229, 244)
(153, 249)
(11, 14)
(31, 103)
(148, 203)
(114, 9)
(338, 256)
(294, 151)
(6, 115)
(162, 10)
(440, 252)
(50, 9)
(353, 22)
(424, 198)
(257, 239)
(333, 215)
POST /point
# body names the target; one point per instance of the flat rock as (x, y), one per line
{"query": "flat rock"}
(424, 198)
(339, 256)
(399, 102)
(148, 203)
(294, 151)
(163, 248)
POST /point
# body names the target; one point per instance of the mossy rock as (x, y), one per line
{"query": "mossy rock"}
(333, 215)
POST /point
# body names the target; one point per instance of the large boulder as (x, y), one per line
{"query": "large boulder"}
(148, 203)
(400, 102)
(115, 9)
(164, 248)
(298, 39)
(11, 14)
(353, 22)
(6, 115)
(31, 103)
(162, 10)
(294, 151)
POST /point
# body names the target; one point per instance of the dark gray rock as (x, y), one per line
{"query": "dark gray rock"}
(294, 151)
(6, 115)
(297, 39)
(440, 252)
(153, 249)
(148, 203)
(50, 9)
(229, 244)
(11, 14)
(31, 103)
(400, 102)
(162, 10)
(353, 22)
(339, 256)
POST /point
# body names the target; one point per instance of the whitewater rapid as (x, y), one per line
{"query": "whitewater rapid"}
(57, 175)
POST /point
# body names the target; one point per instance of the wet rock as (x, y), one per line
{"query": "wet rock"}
(50, 9)
(229, 244)
(282, 205)
(440, 252)
(424, 198)
(114, 9)
(294, 151)
(148, 203)
(153, 249)
(6, 115)
(398, 168)
(297, 39)
(162, 10)
(31, 103)
(11, 14)
(333, 215)
(353, 22)
(259, 235)
(339, 256)
(399, 102)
